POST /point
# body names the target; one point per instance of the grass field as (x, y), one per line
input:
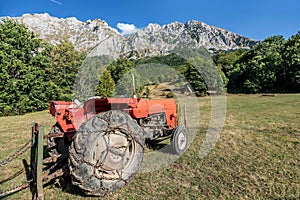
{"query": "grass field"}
(257, 156)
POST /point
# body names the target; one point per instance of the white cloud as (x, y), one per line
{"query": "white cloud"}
(127, 28)
(57, 2)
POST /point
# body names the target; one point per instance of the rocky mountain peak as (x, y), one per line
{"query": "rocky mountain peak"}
(152, 28)
(97, 36)
(174, 27)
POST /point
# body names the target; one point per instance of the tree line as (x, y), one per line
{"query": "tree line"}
(273, 66)
(33, 71)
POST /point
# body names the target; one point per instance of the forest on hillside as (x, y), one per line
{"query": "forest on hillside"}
(33, 71)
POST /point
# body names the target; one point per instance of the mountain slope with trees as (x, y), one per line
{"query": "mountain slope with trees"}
(33, 71)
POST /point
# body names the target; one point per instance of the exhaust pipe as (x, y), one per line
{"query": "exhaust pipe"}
(133, 86)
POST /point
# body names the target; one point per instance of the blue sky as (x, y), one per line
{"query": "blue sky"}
(257, 19)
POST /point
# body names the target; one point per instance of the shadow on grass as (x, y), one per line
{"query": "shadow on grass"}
(157, 145)
(65, 184)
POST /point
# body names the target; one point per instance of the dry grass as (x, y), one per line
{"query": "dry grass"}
(257, 156)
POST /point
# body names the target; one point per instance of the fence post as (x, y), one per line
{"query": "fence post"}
(36, 160)
(39, 167)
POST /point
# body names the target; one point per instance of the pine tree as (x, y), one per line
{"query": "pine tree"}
(23, 62)
(65, 63)
(106, 85)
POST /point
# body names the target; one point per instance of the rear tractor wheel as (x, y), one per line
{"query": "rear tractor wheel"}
(106, 152)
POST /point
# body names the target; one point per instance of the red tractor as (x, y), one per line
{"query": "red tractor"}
(104, 138)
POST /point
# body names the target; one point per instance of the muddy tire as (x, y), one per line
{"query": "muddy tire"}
(56, 146)
(106, 152)
(179, 140)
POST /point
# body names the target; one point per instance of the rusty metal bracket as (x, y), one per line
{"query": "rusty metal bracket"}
(54, 135)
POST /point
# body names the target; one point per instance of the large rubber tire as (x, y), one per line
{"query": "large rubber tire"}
(56, 146)
(106, 152)
(179, 140)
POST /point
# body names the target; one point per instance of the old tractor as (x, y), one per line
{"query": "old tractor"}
(99, 143)
(103, 139)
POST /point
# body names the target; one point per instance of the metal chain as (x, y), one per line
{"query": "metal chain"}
(26, 184)
(16, 188)
(15, 155)
(18, 173)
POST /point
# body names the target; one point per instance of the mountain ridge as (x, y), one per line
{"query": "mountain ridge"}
(97, 37)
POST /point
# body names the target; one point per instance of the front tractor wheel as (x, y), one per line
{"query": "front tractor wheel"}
(179, 140)
(106, 152)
